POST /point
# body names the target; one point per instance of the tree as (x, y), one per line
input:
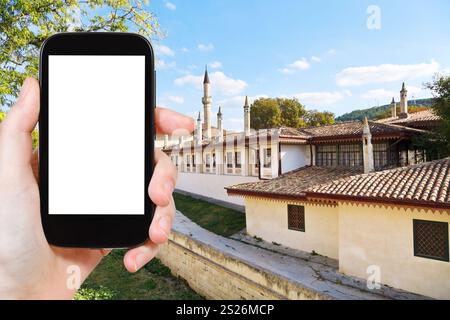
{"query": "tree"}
(314, 118)
(24, 26)
(292, 112)
(440, 87)
(265, 113)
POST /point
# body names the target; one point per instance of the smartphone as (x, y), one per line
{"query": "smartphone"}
(96, 139)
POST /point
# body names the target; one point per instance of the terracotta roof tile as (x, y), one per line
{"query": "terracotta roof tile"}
(426, 184)
(293, 183)
(421, 116)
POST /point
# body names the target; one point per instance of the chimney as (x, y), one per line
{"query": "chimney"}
(403, 102)
(199, 135)
(219, 124)
(393, 109)
(246, 117)
(367, 148)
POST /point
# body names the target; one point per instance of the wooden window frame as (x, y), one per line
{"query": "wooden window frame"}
(301, 218)
(444, 258)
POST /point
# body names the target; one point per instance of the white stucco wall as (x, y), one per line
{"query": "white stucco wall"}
(212, 185)
(268, 220)
(383, 237)
(294, 157)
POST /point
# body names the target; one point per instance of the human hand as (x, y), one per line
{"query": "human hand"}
(29, 267)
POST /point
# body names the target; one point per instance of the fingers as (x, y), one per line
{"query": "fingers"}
(138, 257)
(163, 180)
(168, 122)
(15, 130)
(162, 223)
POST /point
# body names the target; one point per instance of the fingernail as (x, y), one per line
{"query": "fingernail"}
(140, 261)
(24, 89)
(165, 224)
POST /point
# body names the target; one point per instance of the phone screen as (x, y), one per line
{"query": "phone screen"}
(96, 140)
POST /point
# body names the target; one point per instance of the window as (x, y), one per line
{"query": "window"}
(380, 155)
(350, 155)
(193, 161)
(214, 160)
(188, 161)
(296, 218)
(229, 159)
(326, 156)
(431, 240)
(237, 159)
(257, 159)
(267, 158)
(208, 160)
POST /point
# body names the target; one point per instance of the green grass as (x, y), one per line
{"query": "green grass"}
(110, 281)
(217, 219)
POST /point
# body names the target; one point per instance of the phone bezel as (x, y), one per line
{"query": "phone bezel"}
(97, 231)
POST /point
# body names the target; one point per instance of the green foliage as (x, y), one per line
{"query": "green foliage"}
(315, 118)
(440, 88)
(217, 219)
(274, 113)
(25, 25)
(381, 112)
(110, 280)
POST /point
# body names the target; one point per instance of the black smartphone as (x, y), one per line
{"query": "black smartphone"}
(96, 139)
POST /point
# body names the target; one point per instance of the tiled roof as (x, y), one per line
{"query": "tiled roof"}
(355, 128)
(294, 183)
(426, 184)
(417, 117)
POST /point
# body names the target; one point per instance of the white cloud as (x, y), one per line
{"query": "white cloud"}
(331, 52)
(176, 99)
(161, 64)
(163, 50)
(205, 47)
(184, 49)
(215, 65)
(221, 83)
(357, 76)
(171, 6)
(379, 94)
(322, 98)
(315, 59)
(237, 102)
(299, 65)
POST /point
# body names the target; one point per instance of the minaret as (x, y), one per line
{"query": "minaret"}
(246, 117)
(199, 134)
(403, 102)
(367, 148)
(219, 123)
(393, 108)
(206, 100)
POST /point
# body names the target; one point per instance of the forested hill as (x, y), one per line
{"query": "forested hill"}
(379, 112)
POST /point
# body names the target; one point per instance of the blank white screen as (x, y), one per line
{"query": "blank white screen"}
(96, 135)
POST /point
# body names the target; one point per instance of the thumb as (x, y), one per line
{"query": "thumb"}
(15, 130)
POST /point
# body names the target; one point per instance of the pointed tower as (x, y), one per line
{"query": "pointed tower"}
(367, 148)
(206, 100)
(246, 117)
(219, 123)
(404, 102)
(393, 109)
(199, 134)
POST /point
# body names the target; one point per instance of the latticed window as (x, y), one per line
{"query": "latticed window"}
(431, 240)
(296, 218)
(350, 155)
(267, 158)
(229, 159)
(380, 155)
(208, 160)
(237, 159)
(326, 156)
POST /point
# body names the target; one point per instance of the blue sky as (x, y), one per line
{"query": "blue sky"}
(322, 52)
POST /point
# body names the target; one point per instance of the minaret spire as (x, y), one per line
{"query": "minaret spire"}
(367, 148)
(207, 101)
(246, 117)
(403, 102)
